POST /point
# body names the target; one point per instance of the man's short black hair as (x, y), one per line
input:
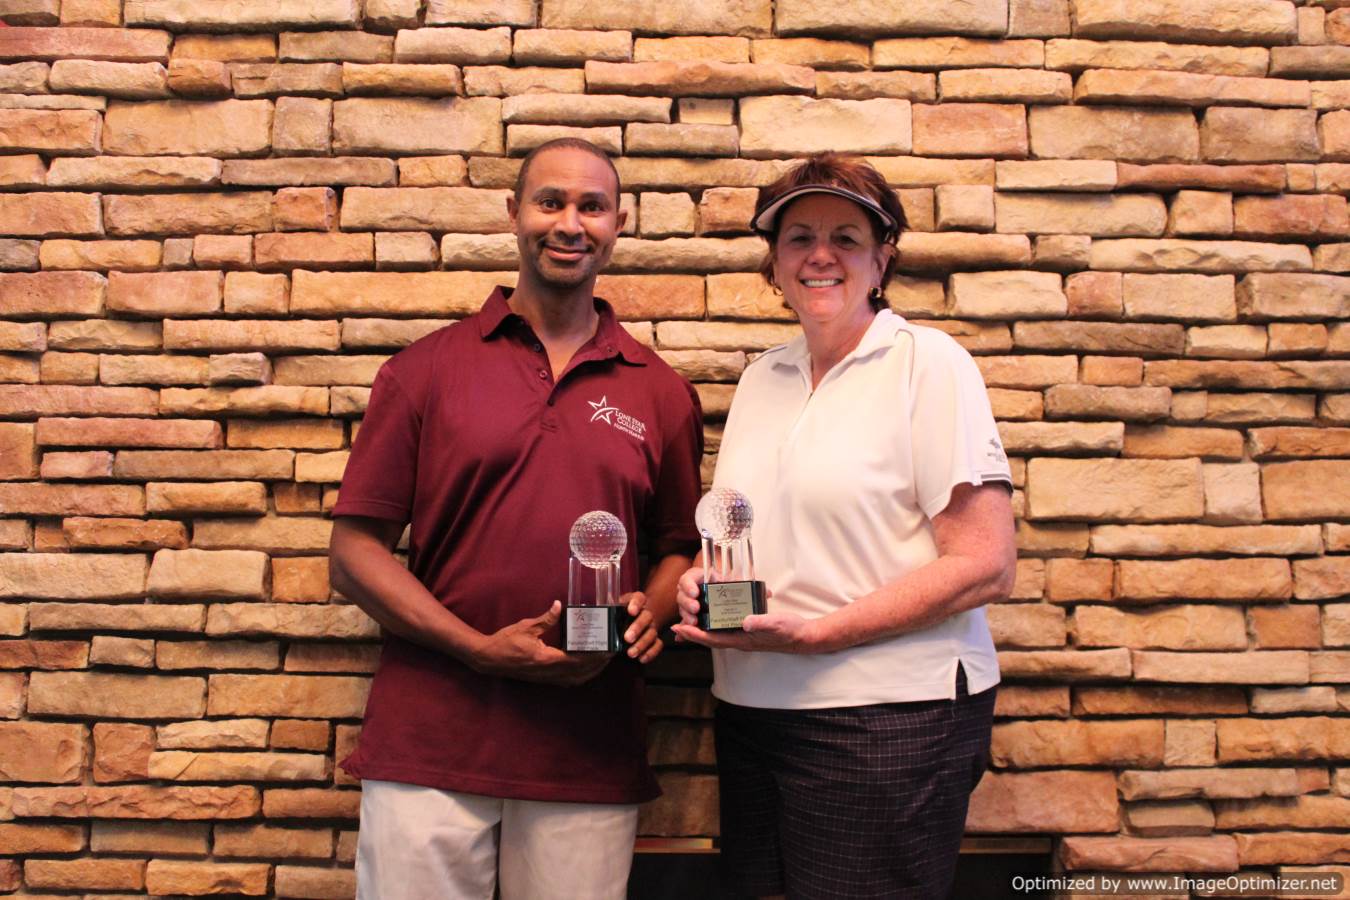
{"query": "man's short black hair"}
(566, 143)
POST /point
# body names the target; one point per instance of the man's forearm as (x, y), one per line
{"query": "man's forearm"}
(366, 572)
(661, 585)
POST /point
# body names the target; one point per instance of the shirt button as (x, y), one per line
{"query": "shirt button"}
(538, 348)
(543, 373)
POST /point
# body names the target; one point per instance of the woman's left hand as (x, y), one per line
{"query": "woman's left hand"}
(778, 632)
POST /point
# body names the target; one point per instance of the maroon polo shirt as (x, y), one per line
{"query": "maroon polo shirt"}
(468, 437)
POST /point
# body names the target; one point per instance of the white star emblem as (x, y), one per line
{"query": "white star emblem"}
(602, 411)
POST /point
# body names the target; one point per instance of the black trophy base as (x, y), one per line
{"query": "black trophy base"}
(594, 629)
(723, 605)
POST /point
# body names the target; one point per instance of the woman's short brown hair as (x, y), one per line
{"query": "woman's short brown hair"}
(852, 173)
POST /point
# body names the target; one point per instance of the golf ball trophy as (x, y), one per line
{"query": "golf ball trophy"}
(594, 620)
(730, 591)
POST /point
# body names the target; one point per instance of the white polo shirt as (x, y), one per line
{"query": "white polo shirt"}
(844, 481)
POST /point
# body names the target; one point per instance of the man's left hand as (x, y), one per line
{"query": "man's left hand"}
(642, 638)
(779, 632)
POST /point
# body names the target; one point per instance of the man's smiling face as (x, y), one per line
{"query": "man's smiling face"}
(567, 219)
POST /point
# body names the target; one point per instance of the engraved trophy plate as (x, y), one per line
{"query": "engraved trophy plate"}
(730, 591)
(593, 621)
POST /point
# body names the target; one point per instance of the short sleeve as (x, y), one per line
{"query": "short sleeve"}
(671, 523)
(955, 440)
(381, 472)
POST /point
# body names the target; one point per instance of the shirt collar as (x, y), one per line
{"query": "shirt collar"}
(610, 337)
(879, 335)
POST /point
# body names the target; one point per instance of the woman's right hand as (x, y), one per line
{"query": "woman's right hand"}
(686, 595)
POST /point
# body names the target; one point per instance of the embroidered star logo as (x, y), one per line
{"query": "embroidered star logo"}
(602, 411)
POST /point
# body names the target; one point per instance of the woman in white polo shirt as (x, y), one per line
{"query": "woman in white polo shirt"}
(854, 717)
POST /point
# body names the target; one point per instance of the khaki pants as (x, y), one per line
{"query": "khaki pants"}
(420, 843)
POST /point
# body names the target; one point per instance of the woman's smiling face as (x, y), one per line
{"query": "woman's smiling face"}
(826, 258)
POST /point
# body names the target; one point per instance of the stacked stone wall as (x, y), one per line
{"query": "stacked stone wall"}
(217, 219)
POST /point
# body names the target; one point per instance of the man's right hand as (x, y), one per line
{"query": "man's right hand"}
(518, 651)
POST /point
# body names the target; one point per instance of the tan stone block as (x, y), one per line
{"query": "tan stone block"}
(125, 256)
(115, 617)
(53, 368)
(1055, 175)
(288, 695)
(1259, 408)
(126, 432)
(278, 536)
(1015, 701)
(332, 657)
(1225, 783)
(226, 574)
(463, 46)
(1321, 698)
(18, 452)
(505, 81)
(1255, 667)
(1187, 89)
(1219, 22)
(1258, 579)
(1061, 437)
(392, 333)
(1026, 625)
(192, 765)
(400, 78)
(1287, 442)
(137, 653)
(314, 172)
(31, 401)
(700, 75)
(323, 370)
(456, 209)
(967, 207)
(48, 753)
(726, 211)
(873, 85)
(245, 401)
(789, 126)
(969, 129)
(199, 78)
(319, 250)
(134, 171)
(1056, 540)
(61, 576)
(164, 876)
(272, 842)
(219, 497)
(1146, 255)
(300, 734)
(298, 433)
(1325, 578)
(121, 751)
(215, 734)
(44, 214)
(1051, 743)
(253, 80)
(1015, 802)
(302, 126)
(1166, 628)
(814, 52)
(1097, 215)
(1038, 18)
(1308, 216)
(139, 802)
(338, 46)
(961, 250)
(131, 81)
(557, 46)
(408, 126)
(226, 47)
(148, 837)
(1141, 490)
(51, 655)
(181, 128)
(122, 534)
(1067, 665)
(710, 49)
(1200, 213)
(310, 881)
(1297, 339)
(742, 17)
(1100, 337)
(1132, 404)
(684, 139)
(251, 293)
(1285, 627)
(1191, 700)
(74, 132)
(1112, 133)
(241, 213)
(1288, 296)
(1303, 490)
(1232, 493)
(115, 696)
(1313, 738)
(1167, 442)
(246, 335)
(96, 43)
(1218, 853)
(85, 874)
(96, 464)
(1189, 743)
(1006, 86)
(290, 620)
(1231, 134)
(1187, 297)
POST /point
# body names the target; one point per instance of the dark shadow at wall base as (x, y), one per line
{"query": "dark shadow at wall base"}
(694, 876)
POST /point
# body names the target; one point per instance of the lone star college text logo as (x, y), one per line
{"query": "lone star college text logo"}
(613, 416)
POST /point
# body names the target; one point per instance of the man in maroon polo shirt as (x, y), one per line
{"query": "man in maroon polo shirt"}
(490, 759)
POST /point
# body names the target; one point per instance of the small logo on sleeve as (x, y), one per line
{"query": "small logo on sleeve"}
(616, 418)
(995, 451)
